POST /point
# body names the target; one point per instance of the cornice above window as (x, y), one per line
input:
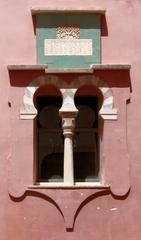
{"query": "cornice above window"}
(66, 9)
(44, 67)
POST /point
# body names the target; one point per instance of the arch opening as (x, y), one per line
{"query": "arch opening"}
(49, 166)
(88, 100)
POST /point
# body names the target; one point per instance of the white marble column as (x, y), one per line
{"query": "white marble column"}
(68, 126)
(68, 113)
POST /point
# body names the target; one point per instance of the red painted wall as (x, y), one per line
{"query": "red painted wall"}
(35, 215)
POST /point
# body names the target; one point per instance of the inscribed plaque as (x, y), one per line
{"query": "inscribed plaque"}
(68, 47)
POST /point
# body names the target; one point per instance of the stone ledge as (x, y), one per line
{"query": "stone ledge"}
(67, 9)
(27, 67)
(63, 185)
(32, 67)
(110, 66)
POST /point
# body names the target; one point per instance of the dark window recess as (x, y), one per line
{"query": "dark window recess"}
(50, 140)
(86, 140)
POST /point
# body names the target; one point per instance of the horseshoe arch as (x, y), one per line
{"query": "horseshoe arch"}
(107, 110)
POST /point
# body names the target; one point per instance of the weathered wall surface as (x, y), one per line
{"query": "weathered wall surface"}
(103, 216)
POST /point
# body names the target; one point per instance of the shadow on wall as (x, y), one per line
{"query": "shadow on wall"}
(113, 78)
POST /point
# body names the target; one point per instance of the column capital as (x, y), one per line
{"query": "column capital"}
(68, 115)
(68, 125)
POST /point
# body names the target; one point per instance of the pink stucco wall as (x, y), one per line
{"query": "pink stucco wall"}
(104, 215)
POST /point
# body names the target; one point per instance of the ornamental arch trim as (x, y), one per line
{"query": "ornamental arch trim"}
(107, 110)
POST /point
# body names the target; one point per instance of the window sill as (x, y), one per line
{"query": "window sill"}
(42, 185)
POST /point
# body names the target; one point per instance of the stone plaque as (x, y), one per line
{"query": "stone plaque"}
(68, 47)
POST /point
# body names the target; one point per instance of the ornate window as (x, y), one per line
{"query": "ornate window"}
(107, 140)
(67, 136)
(52, 165)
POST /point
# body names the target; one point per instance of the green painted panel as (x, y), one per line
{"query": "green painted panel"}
(47, 25)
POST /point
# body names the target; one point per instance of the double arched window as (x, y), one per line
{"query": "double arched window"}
(50, 139)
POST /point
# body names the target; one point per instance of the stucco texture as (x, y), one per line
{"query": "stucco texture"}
(56, 214)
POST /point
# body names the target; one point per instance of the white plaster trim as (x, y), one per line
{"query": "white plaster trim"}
(28, 99)
(68, 101)
(27, 115)
(57, 81)
(109, 117)
(109, 114)
(107, 111)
